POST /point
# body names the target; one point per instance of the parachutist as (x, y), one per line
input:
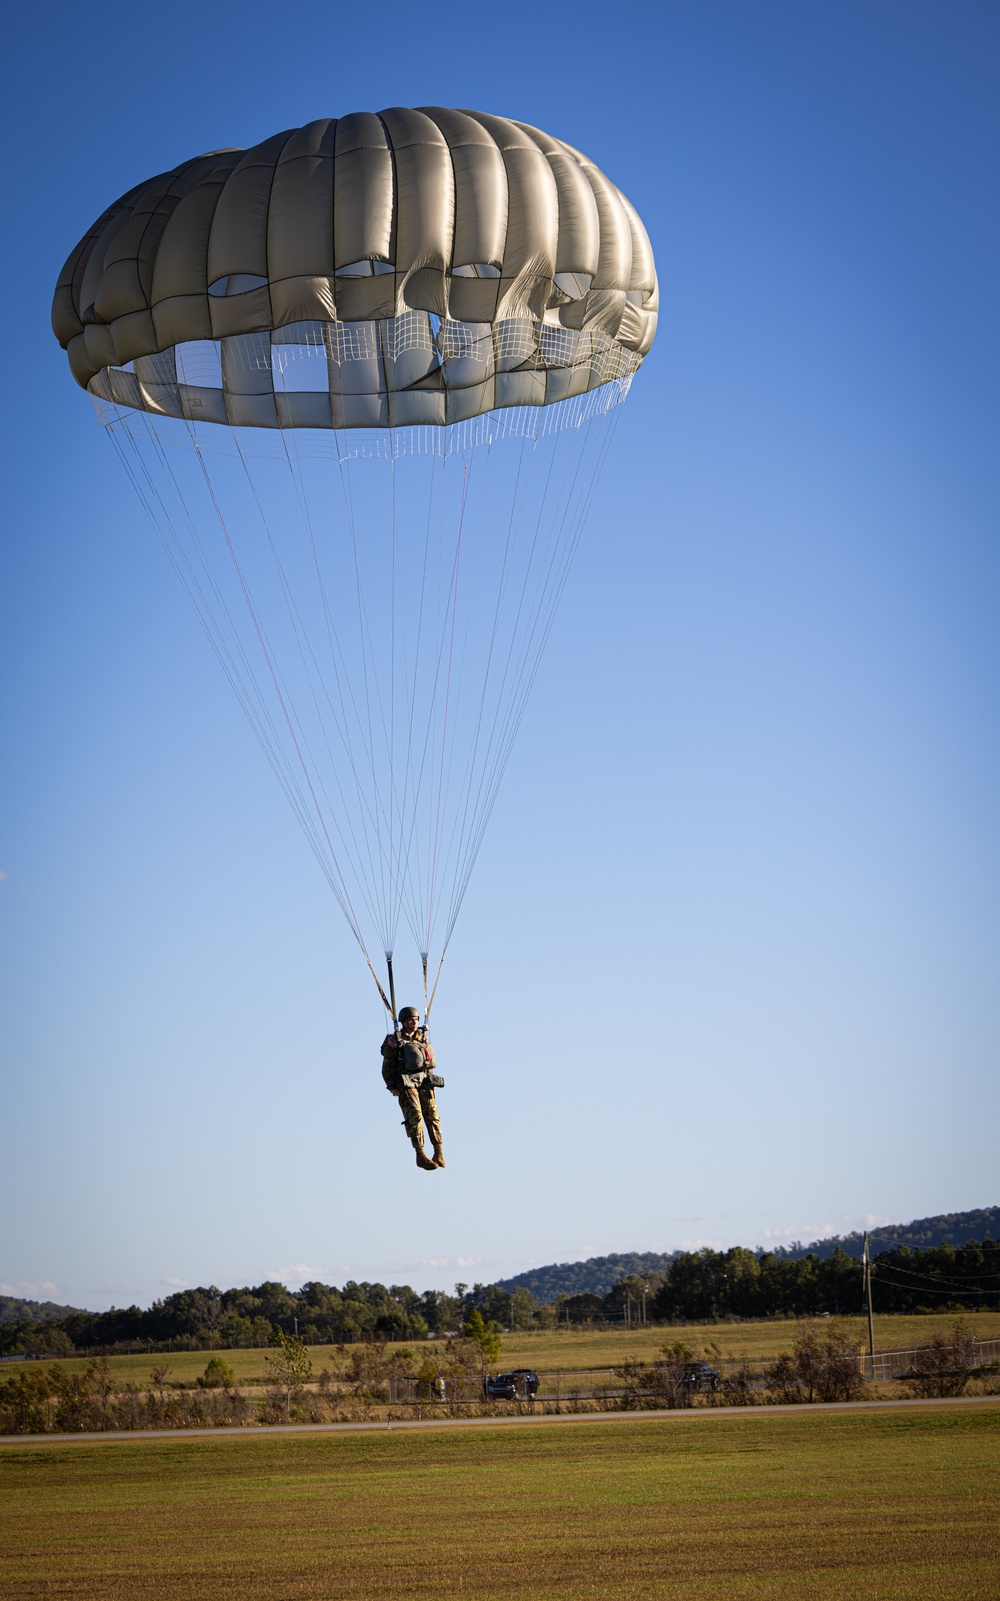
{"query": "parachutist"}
(408, 1065)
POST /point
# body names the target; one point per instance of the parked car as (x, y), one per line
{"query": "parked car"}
(499, 1387)
(698, 1376)
(520, 1384)
(525, 1380)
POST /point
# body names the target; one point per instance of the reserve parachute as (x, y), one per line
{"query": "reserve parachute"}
(364, 377)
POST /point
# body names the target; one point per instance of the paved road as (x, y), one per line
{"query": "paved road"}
(681, 1416)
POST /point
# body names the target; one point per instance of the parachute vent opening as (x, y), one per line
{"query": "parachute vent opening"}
(198, 363)
(299, 369)
(237, 283)
(365, 269)
(574, 285)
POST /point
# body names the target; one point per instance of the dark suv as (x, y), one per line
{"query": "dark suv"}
(520, 1384)
(499, 1387)
(698, 1376)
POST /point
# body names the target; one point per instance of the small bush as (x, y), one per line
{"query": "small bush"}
(944, 1366)
(822, 1367)
(217, 1375)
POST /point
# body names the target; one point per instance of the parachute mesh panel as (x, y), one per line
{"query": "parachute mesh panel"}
(414, 370)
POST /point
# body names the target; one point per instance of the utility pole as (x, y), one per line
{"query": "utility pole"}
(867, 1265)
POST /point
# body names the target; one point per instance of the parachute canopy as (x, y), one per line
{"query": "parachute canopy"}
(363, 378)
(403, 268)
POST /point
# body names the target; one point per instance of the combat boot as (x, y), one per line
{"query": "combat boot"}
(423, 1160)
(439, 1160)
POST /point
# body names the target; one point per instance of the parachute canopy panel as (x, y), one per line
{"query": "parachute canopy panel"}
(408, 268)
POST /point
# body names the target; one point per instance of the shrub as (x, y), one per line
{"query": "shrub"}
(217, 1375)
(655, 1384)
(822, 1367)
(944, 1366)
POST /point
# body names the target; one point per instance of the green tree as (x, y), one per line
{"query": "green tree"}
(217, 1375)
(582, 1308)
(485, 1335)
(290, 1366)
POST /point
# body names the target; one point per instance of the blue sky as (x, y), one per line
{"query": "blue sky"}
(727, 969)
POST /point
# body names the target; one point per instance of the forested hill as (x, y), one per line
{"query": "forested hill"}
(599, 1274)
(14, 1310)
(596, 1276)
(951, 1228)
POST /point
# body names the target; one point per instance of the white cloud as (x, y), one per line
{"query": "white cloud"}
(447, 1261)
(805, 1231)
(42, 1291)
(295, 1273)
(176, 1284)
(700, 1245)
(849, 1223)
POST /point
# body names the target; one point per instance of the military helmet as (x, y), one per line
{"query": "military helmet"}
(408, 1011)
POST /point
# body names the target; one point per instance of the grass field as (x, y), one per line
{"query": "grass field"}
(568, 1350)
(829, 1507)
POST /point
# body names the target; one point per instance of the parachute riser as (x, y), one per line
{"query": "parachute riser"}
(392, 992)
(437, 979)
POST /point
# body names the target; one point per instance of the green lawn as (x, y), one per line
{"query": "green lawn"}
(874, 1506)
(559, 1349)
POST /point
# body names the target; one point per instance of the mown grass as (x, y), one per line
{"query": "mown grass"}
(550, 1350)
(824, 1507)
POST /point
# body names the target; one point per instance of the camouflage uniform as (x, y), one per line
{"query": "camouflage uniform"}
(409, 1081)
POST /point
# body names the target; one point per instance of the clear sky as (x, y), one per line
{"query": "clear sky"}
(727, 971)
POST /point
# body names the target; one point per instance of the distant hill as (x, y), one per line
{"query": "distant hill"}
(596, 1276)
(951, 1228)
(599, 1274)
(14, 1310)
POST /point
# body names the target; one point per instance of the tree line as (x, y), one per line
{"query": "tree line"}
(599, 1274)
(707, 1286)
(697, 1287)
(947, 1228)
(317, 1314)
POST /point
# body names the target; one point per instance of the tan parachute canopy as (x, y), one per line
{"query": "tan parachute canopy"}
(402, 268)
